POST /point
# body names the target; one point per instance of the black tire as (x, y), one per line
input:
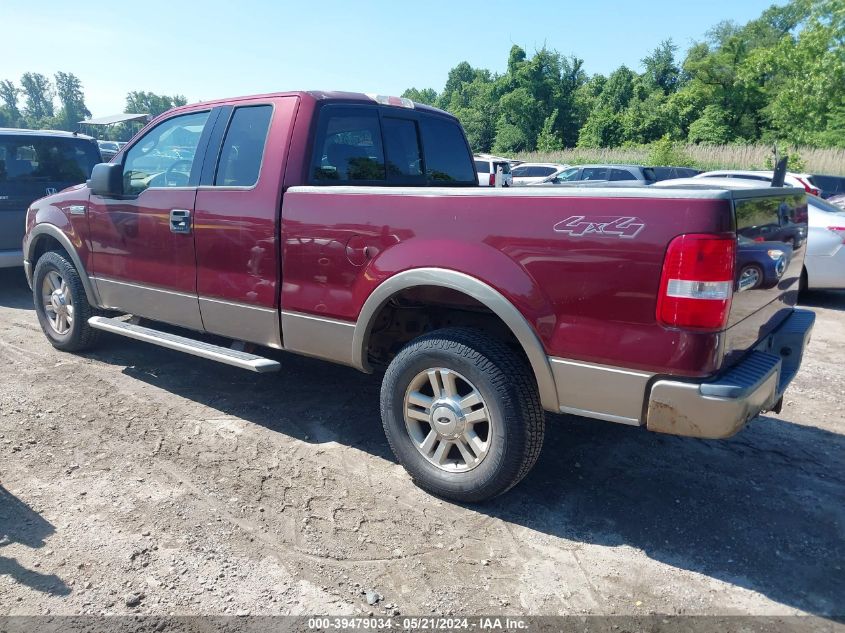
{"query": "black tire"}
(79, 335)
(508, 388)
(803, 284)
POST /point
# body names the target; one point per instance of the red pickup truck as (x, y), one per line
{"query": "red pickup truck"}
(351, 228)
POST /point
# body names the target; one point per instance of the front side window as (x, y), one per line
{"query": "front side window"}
(348, 147)
(243, 147)
(164, 156)
(568, 175)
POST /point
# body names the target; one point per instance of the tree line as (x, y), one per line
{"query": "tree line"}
(779, 78)
(31, 104)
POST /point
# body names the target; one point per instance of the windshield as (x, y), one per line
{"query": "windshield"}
(46, 159)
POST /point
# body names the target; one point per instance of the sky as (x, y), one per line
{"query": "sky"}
(209, 49)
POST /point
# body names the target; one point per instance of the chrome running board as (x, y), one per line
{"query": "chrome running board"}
(182, 344)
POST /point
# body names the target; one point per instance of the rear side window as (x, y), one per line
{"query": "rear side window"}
(594, 173)
(447, 157)
(243, 147)
(402, 147)
(46, 159)
(621, 174)
(348, 147)
(482, 166)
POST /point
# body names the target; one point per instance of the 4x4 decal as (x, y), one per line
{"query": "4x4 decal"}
(625, 227)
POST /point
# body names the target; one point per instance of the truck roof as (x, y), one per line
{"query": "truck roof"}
(316, 95)
(9, 131)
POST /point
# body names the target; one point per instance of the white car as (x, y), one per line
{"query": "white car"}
(792, 179)
(824, 261)
(487, 166)
(527, 173)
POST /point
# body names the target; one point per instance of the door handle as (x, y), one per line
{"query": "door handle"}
(180, 221)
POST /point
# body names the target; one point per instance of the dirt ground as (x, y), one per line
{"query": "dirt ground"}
(138, 480)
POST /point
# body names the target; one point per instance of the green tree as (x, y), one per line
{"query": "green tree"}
(661, 71)
(548, 140)
(426, 95)
(38, 98)
(73, 110)
(9, 94)
(711, 128)
(141, 102)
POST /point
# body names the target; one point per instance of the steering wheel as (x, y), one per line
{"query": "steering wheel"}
(173, 178)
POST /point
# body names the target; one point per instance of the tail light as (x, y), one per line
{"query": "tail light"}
(493, 179)
(697, 282)
(807, 186)
(839, 230)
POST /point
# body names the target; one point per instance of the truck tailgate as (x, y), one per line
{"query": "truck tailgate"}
(771, 228)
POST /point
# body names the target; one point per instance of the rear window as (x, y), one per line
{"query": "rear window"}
(482, 166)
(46, 159)
(366, 146)
(447, 157)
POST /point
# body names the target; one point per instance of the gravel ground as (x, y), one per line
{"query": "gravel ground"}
(138, 480)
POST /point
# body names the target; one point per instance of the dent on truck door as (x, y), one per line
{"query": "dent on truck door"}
(236, 221)
(143, 243)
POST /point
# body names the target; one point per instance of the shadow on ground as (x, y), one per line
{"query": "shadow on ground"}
(830, 299)
(764, 510)
(21, 524)
(14, 293)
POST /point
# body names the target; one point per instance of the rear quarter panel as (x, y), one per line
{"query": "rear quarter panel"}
(589, 296)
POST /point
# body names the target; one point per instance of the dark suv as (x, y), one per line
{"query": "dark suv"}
(34, 164)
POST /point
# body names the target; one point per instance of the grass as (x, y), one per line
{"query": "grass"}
(706, 157)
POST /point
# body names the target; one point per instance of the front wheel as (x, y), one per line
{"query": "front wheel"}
(462, 414)
(61, 304)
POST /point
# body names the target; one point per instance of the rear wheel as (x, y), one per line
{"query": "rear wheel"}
(61, 304)
(462, 414)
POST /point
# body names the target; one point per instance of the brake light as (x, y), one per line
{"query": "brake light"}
(697, 282)
(839, 230)
(402, 102)
(807, 187)
(493, 180)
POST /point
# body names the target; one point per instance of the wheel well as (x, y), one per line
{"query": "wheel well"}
(421, 309)
(44, 244)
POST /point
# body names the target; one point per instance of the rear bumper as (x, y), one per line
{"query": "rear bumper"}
(10, 259)
(721, 406)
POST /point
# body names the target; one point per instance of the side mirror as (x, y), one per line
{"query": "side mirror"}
(107, 180)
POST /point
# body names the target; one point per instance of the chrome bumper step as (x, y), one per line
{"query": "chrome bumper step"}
(183, 344)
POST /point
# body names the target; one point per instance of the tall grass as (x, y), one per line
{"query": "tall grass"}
(706, 157)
